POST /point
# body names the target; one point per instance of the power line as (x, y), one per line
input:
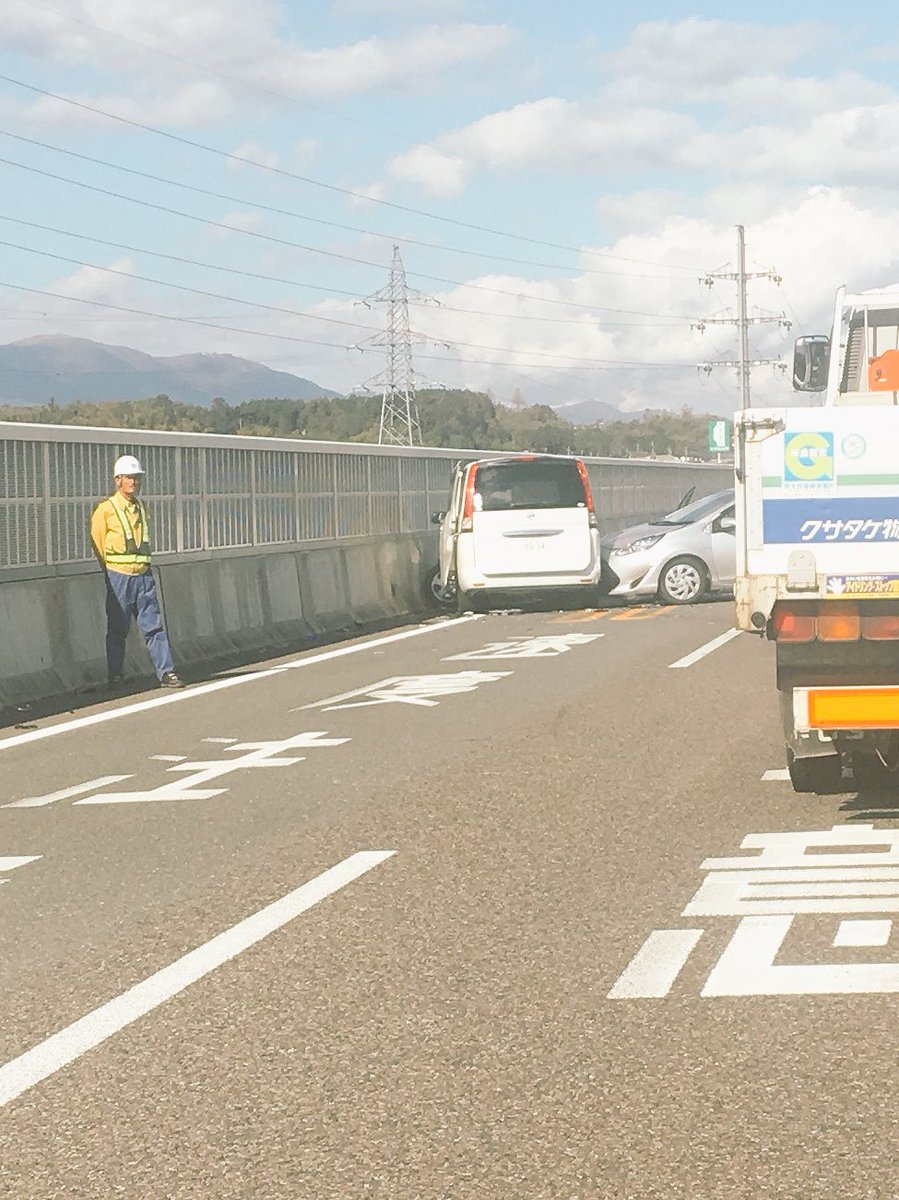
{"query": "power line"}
(191, 262)
(292, 312)
(287, 212)
(328, 186)
(283, 337)
(266, 237)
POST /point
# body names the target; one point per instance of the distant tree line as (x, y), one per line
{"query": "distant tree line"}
(454, 418)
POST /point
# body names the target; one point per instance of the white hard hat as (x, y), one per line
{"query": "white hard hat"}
(127, 465)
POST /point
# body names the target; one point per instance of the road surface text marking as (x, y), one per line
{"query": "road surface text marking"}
(656, 965)
(66, 793)
(547, 646)
(422, 690)
(70, 1043)
(168, 757)
(708, 648)
(10, 864)
(795, 885)
(220, 684)
(781, 773)
(255, 755)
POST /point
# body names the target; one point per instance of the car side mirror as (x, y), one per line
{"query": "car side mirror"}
(811, 363)
(437, 518)
(726, 525)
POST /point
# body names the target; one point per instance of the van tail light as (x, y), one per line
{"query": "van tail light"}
(588, 494)
(840, 624)
(790, 625)
(881, 629)
(468, 503)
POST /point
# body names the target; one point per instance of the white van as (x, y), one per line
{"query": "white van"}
(519, 525)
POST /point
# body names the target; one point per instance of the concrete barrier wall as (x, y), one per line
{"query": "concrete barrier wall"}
(217, 609)
(229, 604)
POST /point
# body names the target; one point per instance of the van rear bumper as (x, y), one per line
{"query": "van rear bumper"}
(558, 595)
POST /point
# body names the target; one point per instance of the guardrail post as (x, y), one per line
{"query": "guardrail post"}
(48, 517)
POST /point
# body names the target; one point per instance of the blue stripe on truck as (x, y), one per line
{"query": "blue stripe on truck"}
(831, 519)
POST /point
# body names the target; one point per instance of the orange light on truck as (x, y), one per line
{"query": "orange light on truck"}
(843, 625)
(881, 629)
(792, 626)
(853, 708)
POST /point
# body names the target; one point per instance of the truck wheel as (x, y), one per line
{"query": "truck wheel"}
(871, 775)
(684, 580)
(820, 774)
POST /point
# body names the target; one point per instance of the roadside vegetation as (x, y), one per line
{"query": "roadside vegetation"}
(464, 419)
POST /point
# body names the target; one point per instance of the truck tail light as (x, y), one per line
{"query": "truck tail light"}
(468, 505)
(842, 624)
(880, 629)
(791, 625)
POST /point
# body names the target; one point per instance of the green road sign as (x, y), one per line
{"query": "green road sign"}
(719, 434)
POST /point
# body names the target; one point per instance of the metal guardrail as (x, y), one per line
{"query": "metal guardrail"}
(214, 492)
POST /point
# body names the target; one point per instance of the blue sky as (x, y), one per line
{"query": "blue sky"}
(557, 177)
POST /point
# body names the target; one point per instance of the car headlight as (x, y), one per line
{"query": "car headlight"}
(642, 543)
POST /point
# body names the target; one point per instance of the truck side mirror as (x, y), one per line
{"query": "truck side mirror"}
(811, 363)
(437, 518)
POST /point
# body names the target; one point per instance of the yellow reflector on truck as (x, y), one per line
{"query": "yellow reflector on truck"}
(853, 708)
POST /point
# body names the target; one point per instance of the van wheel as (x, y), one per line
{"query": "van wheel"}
(442, 597)
(683, 581)
(821, 774)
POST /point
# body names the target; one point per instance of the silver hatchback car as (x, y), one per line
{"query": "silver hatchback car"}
(678, 558)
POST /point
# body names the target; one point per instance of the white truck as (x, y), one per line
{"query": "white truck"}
(818, 546)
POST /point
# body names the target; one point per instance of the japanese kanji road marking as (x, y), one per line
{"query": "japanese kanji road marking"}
(547, 646)
(218, 685)
(776, 775)
(66, 793)
(689, 659)
(794, 879)
(70, 1043)
(255, 755)
(422, 690)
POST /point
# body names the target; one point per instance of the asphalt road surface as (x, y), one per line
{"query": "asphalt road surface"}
(442, 913)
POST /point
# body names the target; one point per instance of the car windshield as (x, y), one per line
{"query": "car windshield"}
(529, 483)
(695, 511)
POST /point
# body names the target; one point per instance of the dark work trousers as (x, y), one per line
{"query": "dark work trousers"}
(134, 596)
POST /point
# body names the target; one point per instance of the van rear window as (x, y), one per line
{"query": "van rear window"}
(528, 484)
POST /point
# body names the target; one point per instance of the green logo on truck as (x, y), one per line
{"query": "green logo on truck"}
(808, 457)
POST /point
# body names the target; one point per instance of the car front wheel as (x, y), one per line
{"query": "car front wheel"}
(683, 581)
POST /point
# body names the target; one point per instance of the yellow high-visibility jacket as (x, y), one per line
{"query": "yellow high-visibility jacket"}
(121, 536)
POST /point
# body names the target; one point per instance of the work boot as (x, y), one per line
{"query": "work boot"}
(116, 681)
(171, 680)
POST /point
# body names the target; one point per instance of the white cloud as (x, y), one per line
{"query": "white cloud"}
(245, 53)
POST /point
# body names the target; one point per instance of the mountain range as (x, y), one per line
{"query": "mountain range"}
(38, 369)
(66, 368)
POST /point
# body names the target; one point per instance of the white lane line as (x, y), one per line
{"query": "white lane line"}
(221, 741)
(690, 659)
(10, 864)
(779, 774)
(220, 684)
(70, 1043)
(168, 757)
(654, 968)
(66, 793)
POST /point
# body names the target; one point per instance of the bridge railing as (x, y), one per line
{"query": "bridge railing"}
(232, 494)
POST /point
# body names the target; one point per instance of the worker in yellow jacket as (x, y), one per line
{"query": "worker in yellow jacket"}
(120, 533)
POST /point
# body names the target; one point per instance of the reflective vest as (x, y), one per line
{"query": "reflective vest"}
(134, 554)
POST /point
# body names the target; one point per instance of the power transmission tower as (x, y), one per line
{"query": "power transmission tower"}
(399, 424)
(744, 363)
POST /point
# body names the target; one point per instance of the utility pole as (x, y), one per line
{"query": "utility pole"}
(744, 364)
(399, 425)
